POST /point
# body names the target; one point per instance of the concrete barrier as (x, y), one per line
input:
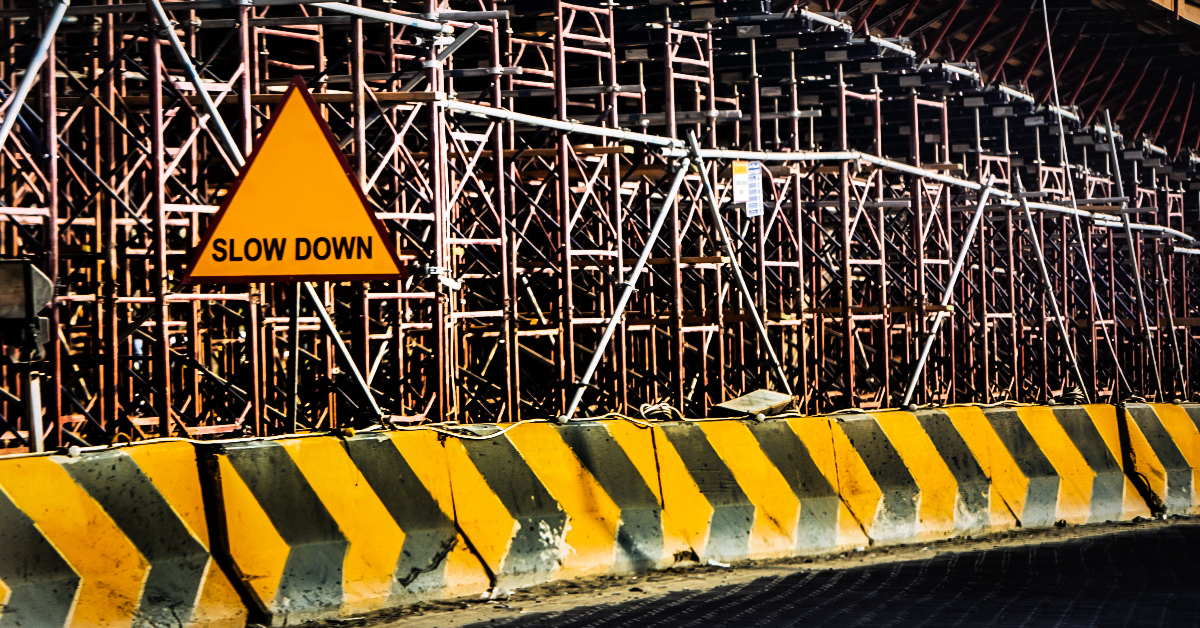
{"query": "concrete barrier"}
(110, 538)
(531, 510)
(1162, 450)
(324, 527)
(620, 456)
(744, 490)
(538, 502)
(319, 527)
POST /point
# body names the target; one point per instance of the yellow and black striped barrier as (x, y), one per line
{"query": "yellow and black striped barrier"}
(318, 527)
(110, 538)
(1164, 450)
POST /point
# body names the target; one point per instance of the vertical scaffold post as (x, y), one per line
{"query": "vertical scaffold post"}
(1048, 290)
(1134, 263)
(748, 298)
(948, 293)
(681, 168)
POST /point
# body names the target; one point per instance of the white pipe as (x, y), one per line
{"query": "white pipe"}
(331, 330)
(384, 16)
(12, 108)
(214, 118)
(570, 127)
(747, 297)
(619, 310)
(948, 293)
(674, 148)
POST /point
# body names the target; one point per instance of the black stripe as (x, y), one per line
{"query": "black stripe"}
(538, 545)
(898, 517)
(733, 512)
(1041, 495)
(42, 583)
(974, 487)
(1108, 488)
(429, 534)
(640, 535)
(1179, 473)
(311, 586)
(178, 561)
(817, 528)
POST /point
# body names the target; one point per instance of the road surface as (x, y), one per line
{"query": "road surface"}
(1145, 574)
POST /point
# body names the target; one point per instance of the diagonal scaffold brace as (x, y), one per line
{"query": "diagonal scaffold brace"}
(948, 293)
(747, 296)
(1048, 291)
(343, 352)
(14, 104)
(681, 170)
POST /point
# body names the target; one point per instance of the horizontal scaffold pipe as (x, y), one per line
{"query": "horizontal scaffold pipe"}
(674, 148)
(559, 125)
(883, 43)
(384, 16)
(139, 7)
(338, 6)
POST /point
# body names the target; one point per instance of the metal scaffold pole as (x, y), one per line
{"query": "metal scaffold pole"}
(947, 293)
(681, 171)
(514, 158)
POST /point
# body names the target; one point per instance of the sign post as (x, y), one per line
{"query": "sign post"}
(296, 213)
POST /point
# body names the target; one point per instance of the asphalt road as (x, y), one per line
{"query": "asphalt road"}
(1139, 577)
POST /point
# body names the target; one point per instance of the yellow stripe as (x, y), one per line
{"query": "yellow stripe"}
(111, 569)
(172, 469)
(427, 458)
(463, 573)
(638, 444)
(219, 605)
(5, 594)
(481, 515)
(1183, 431)
(817, 435)
(258, 552)
(854, 482)
(375, 538)
(1074, 475)
(939, 489)
(850, 531)
(681, 498)
(1145, 461)
(776, 508)
(1009, 485)
(1104, 417)
(593, 516)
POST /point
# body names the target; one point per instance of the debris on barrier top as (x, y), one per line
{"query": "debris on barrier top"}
(761, 401)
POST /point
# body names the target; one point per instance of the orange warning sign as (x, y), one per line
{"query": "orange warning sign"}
(296, 211)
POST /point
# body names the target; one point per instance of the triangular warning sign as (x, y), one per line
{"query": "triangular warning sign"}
(296, 211)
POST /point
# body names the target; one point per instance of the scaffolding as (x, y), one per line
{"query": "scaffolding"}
(937, 230)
